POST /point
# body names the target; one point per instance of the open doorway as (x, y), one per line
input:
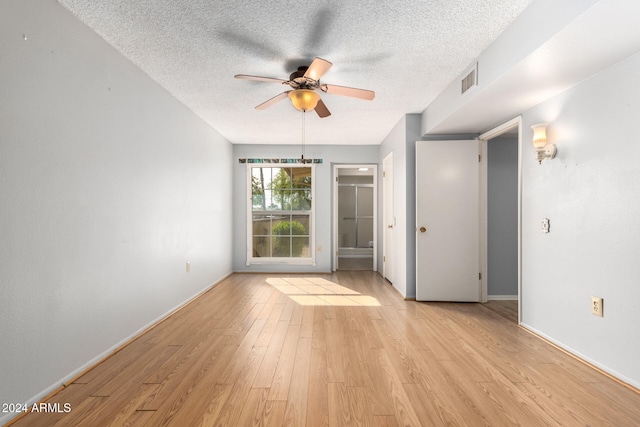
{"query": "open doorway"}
(501, 211)
(355, 217)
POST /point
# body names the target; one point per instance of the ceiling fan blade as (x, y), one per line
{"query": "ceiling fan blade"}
(349, 91)
(259, 79)
(322, 109)
(273, 100)
(317, 68)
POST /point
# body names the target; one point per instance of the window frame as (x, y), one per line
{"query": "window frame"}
(251, 260)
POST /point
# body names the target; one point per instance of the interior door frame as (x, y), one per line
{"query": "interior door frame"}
(336, 173)
(484, 249)
(388, 202)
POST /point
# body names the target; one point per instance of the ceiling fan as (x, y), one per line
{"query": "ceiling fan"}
(304, 82)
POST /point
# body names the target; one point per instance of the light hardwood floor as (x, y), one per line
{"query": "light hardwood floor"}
(506, 308)
(364, 264)
(338, 349)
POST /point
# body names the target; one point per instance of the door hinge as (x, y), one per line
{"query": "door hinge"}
(384, 174)
(479, 158)
(479, 276)
(337, 180)
(384, 259)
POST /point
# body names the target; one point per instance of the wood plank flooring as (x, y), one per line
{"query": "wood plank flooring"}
(505, 308)
(335, 350)
(364, 263)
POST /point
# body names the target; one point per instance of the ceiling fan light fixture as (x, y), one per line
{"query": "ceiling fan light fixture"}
(304, 83)
(304, 99)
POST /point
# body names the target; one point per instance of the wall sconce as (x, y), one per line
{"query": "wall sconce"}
(542, 149)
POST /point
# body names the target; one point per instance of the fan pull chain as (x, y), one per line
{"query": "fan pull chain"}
(303, 134)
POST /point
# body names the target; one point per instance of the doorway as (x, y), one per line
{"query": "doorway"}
(453, 258)
(500, 216)
(355, 217)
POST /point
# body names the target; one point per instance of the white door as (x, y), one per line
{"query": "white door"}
(388, 218)
(448, 221)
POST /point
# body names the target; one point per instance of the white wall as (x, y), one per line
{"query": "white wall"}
(108, 186)
(591, 194)
(330, 154)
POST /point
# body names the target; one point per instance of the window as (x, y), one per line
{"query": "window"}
(280, 218)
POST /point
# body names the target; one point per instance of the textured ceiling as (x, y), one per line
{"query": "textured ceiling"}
(407, 51)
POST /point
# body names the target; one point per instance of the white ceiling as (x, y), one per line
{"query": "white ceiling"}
(407, 51)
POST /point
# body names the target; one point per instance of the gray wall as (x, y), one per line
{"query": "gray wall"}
(401, 141)
(502, 217)
(330, 154)
(108, 186)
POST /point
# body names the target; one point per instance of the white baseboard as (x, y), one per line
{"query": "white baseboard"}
(605, 369)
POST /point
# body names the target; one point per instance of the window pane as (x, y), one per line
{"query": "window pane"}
(261, 225)
(269, 202)
(301, 177)
(261, 246)
(301, 200)
(257, 176)
(300, 225)
(281, 246)
(282, 199)
(257, 202)
(300, 247)
(281, 225)
(257, 189)
(281, 179)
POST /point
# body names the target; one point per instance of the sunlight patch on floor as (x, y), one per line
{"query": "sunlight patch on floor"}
(319, 291)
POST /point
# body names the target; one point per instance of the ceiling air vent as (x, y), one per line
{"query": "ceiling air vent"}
(470, 80)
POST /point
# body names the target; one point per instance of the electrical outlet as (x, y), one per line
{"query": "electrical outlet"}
(596, 306)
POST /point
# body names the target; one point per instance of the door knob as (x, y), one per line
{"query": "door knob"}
(423, 229)
(389, 226)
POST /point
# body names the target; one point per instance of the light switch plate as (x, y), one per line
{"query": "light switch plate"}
(545, 225)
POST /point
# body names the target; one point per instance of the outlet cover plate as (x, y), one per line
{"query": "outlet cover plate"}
(596, 306)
